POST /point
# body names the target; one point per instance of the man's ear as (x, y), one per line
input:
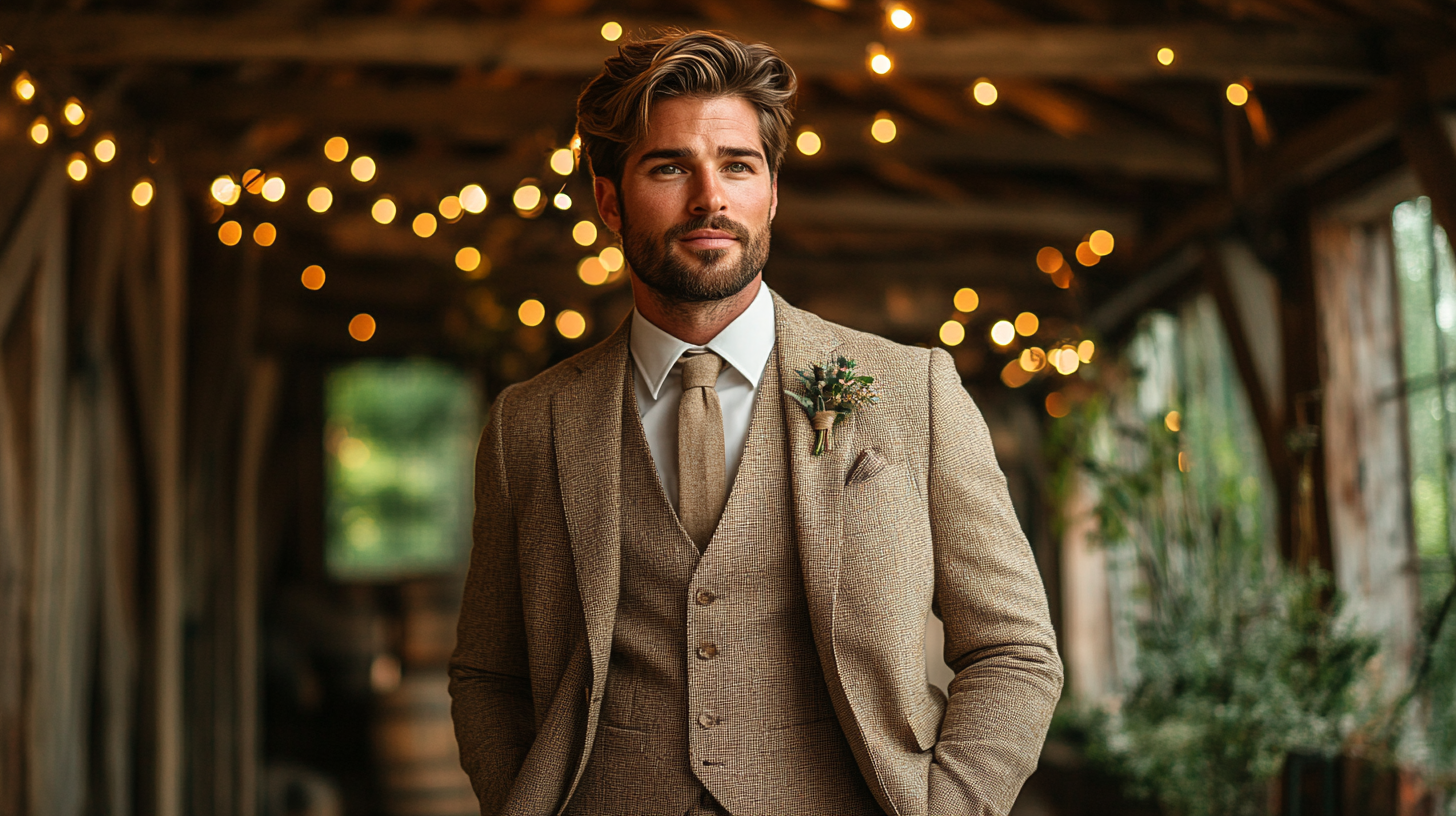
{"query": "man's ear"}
(609, 205)
(773, 205)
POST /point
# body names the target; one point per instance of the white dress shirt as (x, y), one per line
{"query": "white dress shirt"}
(744, 345)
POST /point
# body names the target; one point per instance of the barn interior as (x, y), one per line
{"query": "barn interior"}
(263, 266)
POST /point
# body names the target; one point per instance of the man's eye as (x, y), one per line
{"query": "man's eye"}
(668, 169)
(738, 167)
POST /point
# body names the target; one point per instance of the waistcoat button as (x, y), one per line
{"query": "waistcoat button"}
(705, 597)
(707, 720)
(707, 651)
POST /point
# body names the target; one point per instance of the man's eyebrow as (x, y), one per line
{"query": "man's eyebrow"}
(666, 153)
(739, 152)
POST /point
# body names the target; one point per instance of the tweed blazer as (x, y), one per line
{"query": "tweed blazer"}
(909, 512)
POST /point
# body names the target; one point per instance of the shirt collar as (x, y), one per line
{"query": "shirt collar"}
(743, 344)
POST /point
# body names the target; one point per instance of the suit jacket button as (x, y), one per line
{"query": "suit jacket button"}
(707, 651)
(707, 720)
(705, 597)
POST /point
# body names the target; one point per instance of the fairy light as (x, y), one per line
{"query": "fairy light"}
(984, 93)
(1049, 259)
(1002, 333)
(563, 162)
(40, 130)
(592, 271)
(809, 143)
(571, 324)
(363, 169)
(77, 168)
(424, 225)
(612, 258)
(1066, 362)
(1027, 324)
(230, 233)
(1085, 350)
(473, 199)
(450, 208)
(561, 201)
(966, 300)
(531, 312)
(265, 234)
(384, 210)
(73, 112)
(1085, 255)
(611, 31)
(23, 87)
(336, 149)
(274, 188)
(1057, 405)
(362, 327)
(467, 259)
(224, 190)
(883, 130)
(879, 61)
(1032, 360)
(105, 149)
(952, 333)
(1166, 56)
(1100, 242)
(584, 233)
(142, 193)
(313, 277)
(1014, 375)
(320, 199)
(1237, 94)
(899, 16)
(1173, 421)
(527, 197)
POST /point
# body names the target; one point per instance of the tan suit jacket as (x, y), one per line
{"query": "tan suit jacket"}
(536, 623)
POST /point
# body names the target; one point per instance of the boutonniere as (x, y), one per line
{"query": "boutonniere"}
(832, 392)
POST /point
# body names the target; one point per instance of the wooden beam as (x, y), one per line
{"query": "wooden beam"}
(1428, 145)
(1052, 218)
(575, 46)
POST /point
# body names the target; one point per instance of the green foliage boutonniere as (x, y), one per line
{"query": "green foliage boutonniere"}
(832, 392)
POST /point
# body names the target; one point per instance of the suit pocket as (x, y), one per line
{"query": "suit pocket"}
(867, 466)
(925, 719)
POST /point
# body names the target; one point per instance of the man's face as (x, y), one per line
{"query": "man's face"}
(696, 200)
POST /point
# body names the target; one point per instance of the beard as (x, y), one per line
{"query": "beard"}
(709, 274)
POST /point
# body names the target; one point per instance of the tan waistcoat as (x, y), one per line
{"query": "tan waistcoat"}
(714, 681)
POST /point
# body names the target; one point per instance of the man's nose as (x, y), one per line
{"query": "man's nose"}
(707, 196)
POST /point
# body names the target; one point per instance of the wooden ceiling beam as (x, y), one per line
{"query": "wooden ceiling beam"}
(1053, 218)
(575, 47)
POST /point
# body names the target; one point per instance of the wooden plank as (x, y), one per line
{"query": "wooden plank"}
(1060, 218)
(575, 46)
(18, 258)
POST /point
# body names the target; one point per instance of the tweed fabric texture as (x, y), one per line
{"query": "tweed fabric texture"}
(701, 459)
(933, 525)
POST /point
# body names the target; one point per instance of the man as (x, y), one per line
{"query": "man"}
(674, 605)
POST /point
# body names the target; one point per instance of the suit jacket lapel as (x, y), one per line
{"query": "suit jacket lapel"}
(586, 423)
(817, 481)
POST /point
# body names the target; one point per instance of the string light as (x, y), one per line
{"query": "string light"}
(73, 112)
(1066, 361)
(966, 300)
(362, 327)
(224, 190)
(473, 199)
(383, 211)
(313, 277)
(1027, 324)
(952, 333)
(1237, 94)
(77, 168)
(1049, 259)
(809, 143)
(563, 162)
(1085, 350)
(424, 225)
(253, 181)
(467, 259)
(1173, 421)
(899, 16)
(1166, 56)
(571, 324)
(561, 201)
(527, 197)
(612, 258)
(532, 312)
(320, 199)
(450, 208)
(584, 233)
(336, 149)
(1062, 278)
(1002, 333)
(105, 149)
(883, 129)
(592, 271)
(611, 31)
(23, 87)
(274, 188)
(230, 233)
(880, 61)
(142, 192)
(1032, 360)
(1085, 255)
(40, 130)
(1057, 405)
(1014, 375)
(1100, 242)
(265, 234)
(984, 92)
(363, 169)
(1183, 462)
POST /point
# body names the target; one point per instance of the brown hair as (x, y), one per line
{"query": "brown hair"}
(612, 111)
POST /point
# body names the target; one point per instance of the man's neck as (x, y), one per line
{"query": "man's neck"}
(695, 323)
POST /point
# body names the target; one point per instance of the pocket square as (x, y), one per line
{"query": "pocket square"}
(866, 467)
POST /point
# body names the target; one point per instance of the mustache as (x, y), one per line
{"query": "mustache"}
(715, 222)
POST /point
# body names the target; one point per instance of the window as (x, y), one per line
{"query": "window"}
(1426, 279)
(400, 441)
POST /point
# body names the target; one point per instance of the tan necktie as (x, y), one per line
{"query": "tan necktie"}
(701, 472)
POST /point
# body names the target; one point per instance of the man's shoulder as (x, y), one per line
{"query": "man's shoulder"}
(868, 350)
(534, 395)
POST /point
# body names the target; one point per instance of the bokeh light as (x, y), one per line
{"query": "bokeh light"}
(473, 198)
(424, 225)
(142, 193)
(952, 333)
(265, 234)
(384, 211)
(584, 233)
(1049, 259)
(336, 149)
(531, 312)
(362, 327)
(809, 143)
(966, 300)
(1027, 324)
(230, 233)
(313, 277)
(320, 199)
(1002, 333)
(984, 92)
(363, 169)
(571, 324)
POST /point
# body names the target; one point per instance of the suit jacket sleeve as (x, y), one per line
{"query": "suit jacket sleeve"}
(489, 677)
(989, 593)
